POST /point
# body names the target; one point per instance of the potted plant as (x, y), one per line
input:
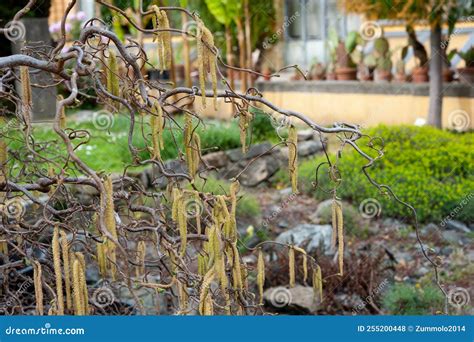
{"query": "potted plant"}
(332, 43)
(345, 67)
(466, 74)
(400, 75)
(318, 72)
(420, 73)
(366, 68)
(383, 70)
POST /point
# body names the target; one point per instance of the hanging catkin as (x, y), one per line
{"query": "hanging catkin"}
(67, 270)
(26, 99)
(37, 279)
(110, 225)
(112, 72)
(293, 157)
(182, 297)
(206, 61)
(182, 224)
(291, 266)
(234, 189)
(141, 251)
(205, 306)
(62, 115)
(57, 271)
(82, 277)
(260, 274)
(340, 238)
(157, 124)
(334, 223)
(245, 118)
(236, 268)
(305, 262)
(192, 145)
(318, 283)
(77, 288)
(160, 21)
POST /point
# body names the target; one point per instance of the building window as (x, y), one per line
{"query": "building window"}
(307, 21)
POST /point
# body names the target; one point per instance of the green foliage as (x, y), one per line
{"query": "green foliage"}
(405, 299)
(247, 204)
(262, 128)
(353, 223)
(433, 170)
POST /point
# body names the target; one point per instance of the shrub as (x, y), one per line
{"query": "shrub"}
(406, 299)
(431, 169)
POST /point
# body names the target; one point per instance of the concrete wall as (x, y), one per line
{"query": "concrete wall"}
(364, 103)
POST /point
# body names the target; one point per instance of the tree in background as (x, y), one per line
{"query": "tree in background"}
(436, 13)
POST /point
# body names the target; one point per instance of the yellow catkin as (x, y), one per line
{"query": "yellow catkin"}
(234, 189)
(77, 288)
(82, 277)
(293, 157)
(260, 274)
(156, 124)
(245, 118)
(176, 197)
(37, 279)
(334, 223)
(26, 99)
(318, 283)
(112, 72)
(236, 268)
(201, 60)
(210, 61)
(196, 152)
(110, 225)
(102, 258)
(291, 266)
(182, 297)
(182, 224)
(141, 251)
(3, 151)
(62, 115)
(340, 238)
(161, 22)
(67, 270)
(57, 271)
(204, 303)
(305, 262)
(192, 145)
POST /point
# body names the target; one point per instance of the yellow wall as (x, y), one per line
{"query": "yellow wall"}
(363, 109)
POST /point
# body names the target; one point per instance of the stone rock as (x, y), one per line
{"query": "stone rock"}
(349, 301)
(452, 236)
(258, 171)
(309, 236)
(305, 134)
(308, 148)
(236, 155)
(285, 192)
(155, 178)
(216, 159)
(299, 299)
(459, 226)
(322, 214)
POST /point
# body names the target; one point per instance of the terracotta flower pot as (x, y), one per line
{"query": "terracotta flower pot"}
(331, 76)
(420, 75)
(447, 75)
(382, 76)
(346, 74)
(466, 75)
(400, 78)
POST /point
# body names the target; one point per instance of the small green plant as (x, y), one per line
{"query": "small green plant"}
(406, 299)
(467, 56)
(383, 55)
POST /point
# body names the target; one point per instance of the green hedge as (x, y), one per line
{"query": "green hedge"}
(429, 168)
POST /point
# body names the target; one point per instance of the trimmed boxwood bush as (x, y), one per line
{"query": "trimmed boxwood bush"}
(429, 168)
